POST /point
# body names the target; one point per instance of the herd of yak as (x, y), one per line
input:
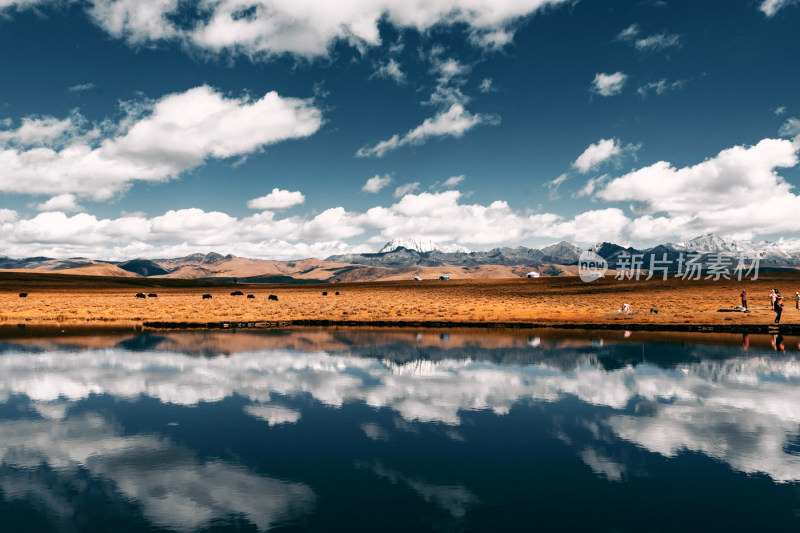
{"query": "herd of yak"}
(205, 296)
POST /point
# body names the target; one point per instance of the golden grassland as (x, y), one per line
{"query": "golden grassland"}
(543, 301)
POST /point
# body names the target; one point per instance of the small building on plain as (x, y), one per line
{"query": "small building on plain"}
(417, 278)
(532, 275)
(444, 278)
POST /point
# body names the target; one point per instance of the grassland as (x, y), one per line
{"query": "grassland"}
(554, 301)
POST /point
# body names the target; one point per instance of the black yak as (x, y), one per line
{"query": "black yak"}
(23, 295)
(140, 295)
(273, 297)
(152, 295)
(237, 293)
(206, 297)
(250, 296)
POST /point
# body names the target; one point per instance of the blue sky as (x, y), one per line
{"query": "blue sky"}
(297, 128)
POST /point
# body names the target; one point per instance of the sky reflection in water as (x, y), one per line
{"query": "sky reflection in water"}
(317, 429)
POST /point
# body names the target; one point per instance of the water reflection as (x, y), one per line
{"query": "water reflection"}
(120, 413)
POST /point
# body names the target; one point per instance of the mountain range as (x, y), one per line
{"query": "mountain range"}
(403, 259)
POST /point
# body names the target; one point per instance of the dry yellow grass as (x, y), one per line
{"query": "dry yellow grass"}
(557, 301)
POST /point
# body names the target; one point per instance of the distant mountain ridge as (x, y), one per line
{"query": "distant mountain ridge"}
(406, 258)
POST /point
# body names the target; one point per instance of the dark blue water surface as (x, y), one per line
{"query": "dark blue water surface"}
(366, 430)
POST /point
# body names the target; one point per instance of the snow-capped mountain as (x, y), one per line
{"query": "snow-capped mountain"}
(417, 245)
(784, 252)
(711, 242)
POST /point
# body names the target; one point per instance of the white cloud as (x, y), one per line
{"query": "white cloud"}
(596, 154)
(7, 215)
(770, 7)
(185, 493)
(66, 203)
(80, 87)
(19, 4)
(608, 84)
(406, 188)
(554, 184)
(390, 70)
(307, 28)
(452, 181)
(660, 87)
(657, 42)
(486, 86)
(629, 33)
(780, 110)
(590, 186)
(376, 183)
(727, 193)
(453, 122)
(791, 127)
(277, 199)
(40, 131)
(155, 142)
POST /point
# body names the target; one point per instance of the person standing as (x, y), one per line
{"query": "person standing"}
(744, 299)
(778, 309)
(772, 298)
(797, 300)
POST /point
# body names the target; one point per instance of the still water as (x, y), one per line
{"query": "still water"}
(358, 430)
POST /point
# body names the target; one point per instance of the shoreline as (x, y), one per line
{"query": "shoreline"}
(110, 326)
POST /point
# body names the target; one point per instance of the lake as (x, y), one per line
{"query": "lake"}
(399, 430)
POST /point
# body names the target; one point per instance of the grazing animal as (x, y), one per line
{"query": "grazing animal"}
(324, 293)
(152, 295)
(337, 293)
(653, 311)
(250, 296)
(237, 293)
(140, 295)
(273, 297)
(23, 295)
(206, 297)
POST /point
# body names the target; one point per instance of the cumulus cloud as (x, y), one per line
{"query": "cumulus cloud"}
(439, 216)
(453, 122)
(157, 141)
(770, 7)
(376, 183)
(596, 154)
(307, 29)
(66, 203)
(726, 193)
(608, 84)
(277, 199)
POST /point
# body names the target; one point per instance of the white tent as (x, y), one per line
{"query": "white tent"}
(532, 275)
